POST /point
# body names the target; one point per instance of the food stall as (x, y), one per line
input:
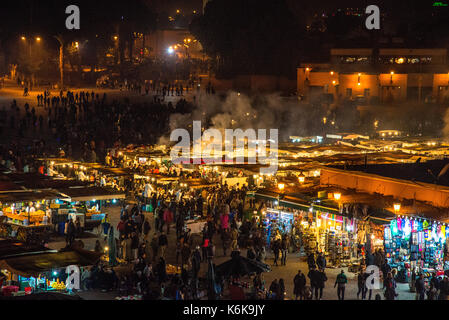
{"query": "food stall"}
(33, 268)
(90, 203)
(26, 215)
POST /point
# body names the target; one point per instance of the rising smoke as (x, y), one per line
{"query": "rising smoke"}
(241, 111)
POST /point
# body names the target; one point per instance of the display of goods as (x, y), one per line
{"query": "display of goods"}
(57, 285)
(170, 269)
(22, 235)
(4, 231)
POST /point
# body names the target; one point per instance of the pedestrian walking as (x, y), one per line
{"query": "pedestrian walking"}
(420, 287)
(390, 287)
(341, 283)
(361, 284)
(299, 283)
(285, 243)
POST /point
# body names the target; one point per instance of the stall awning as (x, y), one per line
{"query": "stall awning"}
(34, 265)
(22, 196)
(91, 193)
(293, 202)
(10, 248)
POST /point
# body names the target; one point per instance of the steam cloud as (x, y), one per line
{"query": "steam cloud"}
(244, 112)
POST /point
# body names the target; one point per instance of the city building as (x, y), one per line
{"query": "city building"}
(372, 76)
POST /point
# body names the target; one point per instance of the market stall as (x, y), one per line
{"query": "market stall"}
(40, 270)
(88, 204)
(415, 245)
(27, 215)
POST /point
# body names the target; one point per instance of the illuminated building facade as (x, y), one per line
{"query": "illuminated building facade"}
(378, 76)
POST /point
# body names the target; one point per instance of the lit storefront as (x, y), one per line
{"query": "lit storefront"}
(415, 244)
(332, 234)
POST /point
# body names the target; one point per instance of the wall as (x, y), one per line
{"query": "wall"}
(401, 189)
(255, 83)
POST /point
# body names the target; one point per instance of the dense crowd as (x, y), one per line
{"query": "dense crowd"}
(82, 124)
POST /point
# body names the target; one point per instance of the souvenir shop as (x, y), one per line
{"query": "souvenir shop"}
(277, 222)
(332, 234)
(415, 245)
(315, 228)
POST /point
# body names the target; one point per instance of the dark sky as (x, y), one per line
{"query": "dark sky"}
(170, 6)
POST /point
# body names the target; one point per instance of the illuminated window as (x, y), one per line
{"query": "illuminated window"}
(348, 92)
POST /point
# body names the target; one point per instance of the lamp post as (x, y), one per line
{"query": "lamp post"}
(281, 187)
(337, 197)
(27, 41)
(61, 60)
(396, 207)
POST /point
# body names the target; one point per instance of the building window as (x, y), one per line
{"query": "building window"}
(348, 92)
(366, 92)
(356, 59)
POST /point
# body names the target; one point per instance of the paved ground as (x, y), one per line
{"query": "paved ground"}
(11, 91)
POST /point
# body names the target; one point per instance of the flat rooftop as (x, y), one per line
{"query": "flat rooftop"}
(426, 172)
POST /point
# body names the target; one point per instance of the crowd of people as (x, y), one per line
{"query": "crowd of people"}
(84, 124)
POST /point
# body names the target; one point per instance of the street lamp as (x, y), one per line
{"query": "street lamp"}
(281, 186)
(396, 207)
(301, 178)
(337, 196)
(391, 76)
